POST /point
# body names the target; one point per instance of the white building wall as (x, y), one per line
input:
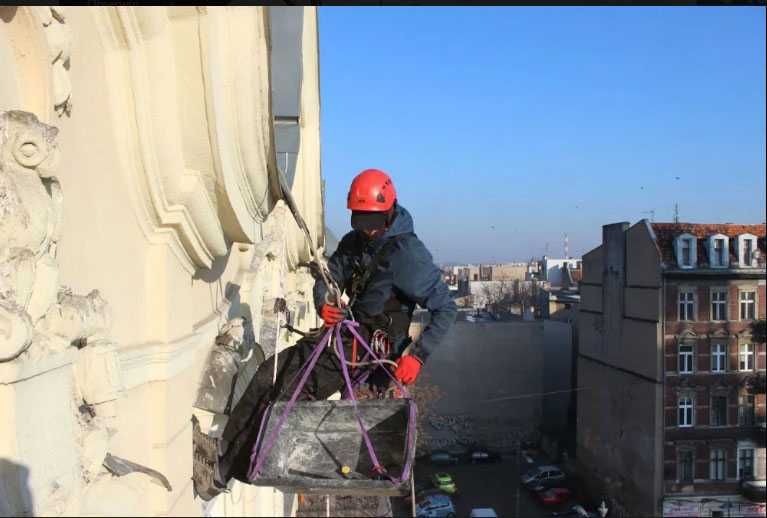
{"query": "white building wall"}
(165, 199)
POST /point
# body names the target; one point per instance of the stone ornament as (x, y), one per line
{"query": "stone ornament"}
(30, 216)
(58, 36)
(40, 319)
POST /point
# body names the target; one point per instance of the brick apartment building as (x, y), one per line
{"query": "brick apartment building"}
(672, 408)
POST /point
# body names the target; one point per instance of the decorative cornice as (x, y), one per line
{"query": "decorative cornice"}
(235, 63)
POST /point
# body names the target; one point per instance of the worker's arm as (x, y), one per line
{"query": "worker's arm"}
(340, 269)
(419, 279)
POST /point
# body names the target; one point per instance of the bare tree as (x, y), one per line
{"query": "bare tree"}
(497, 297)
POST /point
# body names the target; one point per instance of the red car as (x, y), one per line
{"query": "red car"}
(554, 496)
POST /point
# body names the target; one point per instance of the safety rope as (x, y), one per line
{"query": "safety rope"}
(333, 291)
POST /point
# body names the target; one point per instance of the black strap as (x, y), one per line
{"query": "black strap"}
(360, 280)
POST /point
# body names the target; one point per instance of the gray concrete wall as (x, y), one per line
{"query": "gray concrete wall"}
(619, 424)
(557, 377)
(489, 371)
(619, 436)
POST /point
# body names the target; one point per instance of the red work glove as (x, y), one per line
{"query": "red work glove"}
(331, 315)
(407, 369)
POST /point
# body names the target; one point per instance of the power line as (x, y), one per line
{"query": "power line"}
(538, 394)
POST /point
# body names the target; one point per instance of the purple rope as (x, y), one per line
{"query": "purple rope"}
(410, 445)
(371, 451)
(262, 452)
(257, 444)
(412, 415)
(258, 457)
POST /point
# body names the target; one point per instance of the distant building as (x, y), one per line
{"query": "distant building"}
(554, 270)
(508, 272)
(671, 400)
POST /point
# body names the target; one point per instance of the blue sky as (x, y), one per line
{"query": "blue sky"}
(505, 128)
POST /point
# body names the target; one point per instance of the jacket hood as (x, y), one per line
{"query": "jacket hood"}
(402, 224)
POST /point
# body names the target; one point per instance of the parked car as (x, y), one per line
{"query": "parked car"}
(480, 317)
(478, 455)
(435, 506)
(576, 511)
(443, 457)
(444, 482)
(483, 512)
(423, 493)
(543, 477)
(554, 496)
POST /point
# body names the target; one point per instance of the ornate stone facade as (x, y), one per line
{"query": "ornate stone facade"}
(160, 189)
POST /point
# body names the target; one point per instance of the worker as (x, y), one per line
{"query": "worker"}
(386, 271)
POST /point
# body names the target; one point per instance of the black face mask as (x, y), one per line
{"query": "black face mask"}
(369, 220)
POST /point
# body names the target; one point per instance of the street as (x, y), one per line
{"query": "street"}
(493, 485)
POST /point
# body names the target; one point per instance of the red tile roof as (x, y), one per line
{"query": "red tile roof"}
(666, 232)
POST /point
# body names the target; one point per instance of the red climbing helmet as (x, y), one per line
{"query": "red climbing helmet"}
(371, 191)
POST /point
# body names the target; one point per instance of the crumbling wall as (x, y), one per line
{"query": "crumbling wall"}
(59, 373)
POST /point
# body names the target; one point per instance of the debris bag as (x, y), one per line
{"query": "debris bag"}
(320, 449)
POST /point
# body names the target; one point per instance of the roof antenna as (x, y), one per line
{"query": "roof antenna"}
(676, 213)
(651, 212)
(567, 248)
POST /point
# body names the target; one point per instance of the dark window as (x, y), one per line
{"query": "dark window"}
(746, 464)
(718, 358)
(685, 359)
(685, 411)
(685, 465)
(686, 305)
(719, 252)
(717, 464)
(719, 305)
(746, 410)
(686, 252)
(748, 252)
(719, 411)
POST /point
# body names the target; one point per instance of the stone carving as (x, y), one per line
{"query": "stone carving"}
(30, 214)
(59, 39)
(40, 318)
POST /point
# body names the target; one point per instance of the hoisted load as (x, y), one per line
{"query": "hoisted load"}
(345, 447)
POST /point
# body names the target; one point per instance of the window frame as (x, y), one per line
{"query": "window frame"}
(683, 409)
(679, 242)
(747, 303)
(713, 407)
(692, 301)
(712, 240)
(748, 354)
(717, 354)
(717, 464)
(718, 303)
(685, 453)
(742, 239)
(751, 421)
(686, 354)
(746, 447)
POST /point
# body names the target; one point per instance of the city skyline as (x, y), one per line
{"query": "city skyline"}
(643, 110)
